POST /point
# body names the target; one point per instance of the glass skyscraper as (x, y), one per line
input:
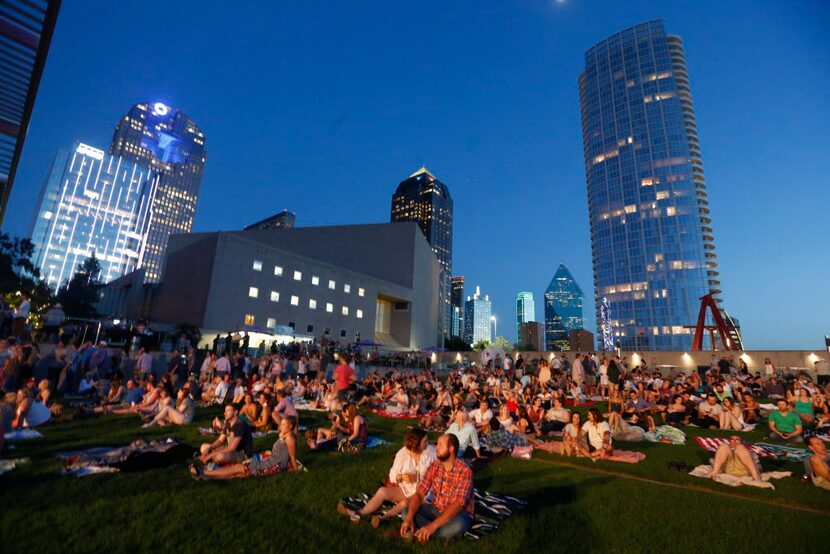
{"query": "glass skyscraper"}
(477, 310)
(652, 241)
(563, 309)
(92, 203)
(525, 310)
(457, 304)
(166, 140)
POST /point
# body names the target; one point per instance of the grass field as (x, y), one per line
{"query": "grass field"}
(575, 505)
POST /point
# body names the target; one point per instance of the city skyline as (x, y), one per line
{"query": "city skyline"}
(504, 133)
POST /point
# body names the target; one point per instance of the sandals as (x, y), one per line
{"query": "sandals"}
(196, 473)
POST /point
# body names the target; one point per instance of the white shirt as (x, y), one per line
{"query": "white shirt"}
(596, 433)
(479, 417)
(404, 463)
(221, 390)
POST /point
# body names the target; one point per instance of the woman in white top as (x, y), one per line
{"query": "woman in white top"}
(769, 367)
(731, 418)
(408, 469)
(603, 378)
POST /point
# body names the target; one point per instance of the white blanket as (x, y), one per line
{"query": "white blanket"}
(732, 481)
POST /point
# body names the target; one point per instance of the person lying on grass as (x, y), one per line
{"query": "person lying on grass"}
(733, 458)
(282, 457)
(407, 471)
(233, 445)
(450, 514)
(349, 427)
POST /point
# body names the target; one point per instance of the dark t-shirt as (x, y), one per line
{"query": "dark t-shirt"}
(723, 366)
(242, 430)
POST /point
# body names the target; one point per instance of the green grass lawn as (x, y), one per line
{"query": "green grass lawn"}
(575, 505)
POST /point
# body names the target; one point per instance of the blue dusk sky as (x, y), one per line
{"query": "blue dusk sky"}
(323, 107)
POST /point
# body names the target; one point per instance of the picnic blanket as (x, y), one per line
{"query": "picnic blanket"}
(8, 465)
(139, 455)
(305, 405)
(255, 434)
(23, 434)
(396, 414)
(761, 449)
(732, 481)
(667, 434)
(490, 510)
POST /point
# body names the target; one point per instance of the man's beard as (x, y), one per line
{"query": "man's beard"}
(443, 457)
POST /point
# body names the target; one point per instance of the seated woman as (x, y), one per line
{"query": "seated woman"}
(731, 418)
(525, 424)
(149, 402)
(734, 459)
(599, 443)
(282, 457)
(87, 386)
(164, 401)
(180, 414)
(621, 430)
(572, 443)
(250, 409)
(399, 401)
(506, 420)
(804, 406)
(750, 409)
(29, 413)
(266, 405)
(349, 426)
(443, 410)
(408, 469)
(675, 414)
(44, 392)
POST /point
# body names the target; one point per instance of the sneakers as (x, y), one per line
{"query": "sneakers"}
(147, 425)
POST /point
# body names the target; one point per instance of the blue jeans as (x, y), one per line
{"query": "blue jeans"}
(455, 527)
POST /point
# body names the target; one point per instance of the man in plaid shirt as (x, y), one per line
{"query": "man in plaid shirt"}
(502, 438)
(451, 482)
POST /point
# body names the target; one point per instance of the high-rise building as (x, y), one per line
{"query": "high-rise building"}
(283, 220)
(166, 140)
(92, 203)
(580, 340)
(532, 335)
(477, 310)
(651, 231)
(426, 200)
(26, 28)
(563, 309)
(457, 304)
(525, 310)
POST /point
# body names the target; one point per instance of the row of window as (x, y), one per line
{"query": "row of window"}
(253, 292)
(272, 322)
(315, 280)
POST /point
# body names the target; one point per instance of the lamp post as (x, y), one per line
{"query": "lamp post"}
(495, 327)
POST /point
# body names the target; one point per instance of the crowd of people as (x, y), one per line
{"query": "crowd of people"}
(503, 406)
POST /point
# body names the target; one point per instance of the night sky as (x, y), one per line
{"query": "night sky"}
(324, 107)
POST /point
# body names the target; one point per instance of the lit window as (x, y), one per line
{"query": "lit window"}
(249, 319)
(298, 275)
(662, 195)
(329, 307)
(631, 208)
(671, 210)
(295, 300)
(676, 264)
(253, 292)
(257, 265)
(361, 292)
(275, 296)
(345, 310)
(312, 304)
(347, 288)
(315, 280)
(277, 271)
(359, 314)
(332, 285)
(271, 323)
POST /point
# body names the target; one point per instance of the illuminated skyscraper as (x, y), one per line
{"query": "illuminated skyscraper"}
(652, 239)
(167, 141)
(457, 304)
(477, 310)
(525, 310)
(26, 28)
(563, 309)
(90, 203)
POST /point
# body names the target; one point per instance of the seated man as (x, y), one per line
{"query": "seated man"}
(637, 410)
(556, 418)
(819, 463)
(234, 444)
(283, 408)
(451, 512)
(481, 416)
(500, 438)
(708, 413)
(734, 459)
(466, 435)
(785, 424)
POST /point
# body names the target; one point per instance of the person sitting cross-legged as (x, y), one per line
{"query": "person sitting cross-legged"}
(407, 471)
(734, 459)
(234, 444)
(785, 424)
(451, 512)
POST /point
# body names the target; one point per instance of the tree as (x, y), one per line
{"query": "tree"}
(502, 343)
(79, 295)
(18, 274)
(456, 344)
(481, 345)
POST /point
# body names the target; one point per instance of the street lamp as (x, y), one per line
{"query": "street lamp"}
(495, 327)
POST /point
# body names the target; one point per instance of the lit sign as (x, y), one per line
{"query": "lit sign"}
(160, 109)
(86, 150)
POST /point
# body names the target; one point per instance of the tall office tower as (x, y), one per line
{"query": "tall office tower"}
(170, 143)
(92, 203)
(652, 240)
(26, 28)
(563, 309)
(532, 336)
(525, 311)
(426, 200)
(457, 303)
(477, 310)
(282, 220)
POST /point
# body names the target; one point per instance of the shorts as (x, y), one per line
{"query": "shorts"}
(261, 464)
(237, 457)
(735, 467)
